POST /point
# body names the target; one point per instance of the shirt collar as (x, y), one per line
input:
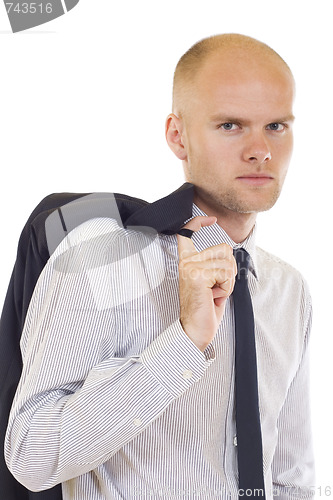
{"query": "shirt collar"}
(215, 234)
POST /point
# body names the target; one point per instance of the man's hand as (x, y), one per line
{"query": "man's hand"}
(206, 279)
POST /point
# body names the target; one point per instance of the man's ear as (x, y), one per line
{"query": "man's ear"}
(174, 136)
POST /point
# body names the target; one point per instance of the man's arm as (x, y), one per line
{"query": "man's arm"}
(75, 406)
(293, 464)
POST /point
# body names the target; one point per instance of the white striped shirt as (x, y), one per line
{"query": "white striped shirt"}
(116, 402)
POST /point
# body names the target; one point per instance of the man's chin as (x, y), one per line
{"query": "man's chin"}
(234, 202)
(254, 204)
(253, 209)
(250, 209)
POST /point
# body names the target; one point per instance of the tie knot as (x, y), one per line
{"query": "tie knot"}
(243, 261)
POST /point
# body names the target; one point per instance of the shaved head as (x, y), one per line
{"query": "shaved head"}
(234, 47)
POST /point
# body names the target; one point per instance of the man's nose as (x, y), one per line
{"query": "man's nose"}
(257, 149)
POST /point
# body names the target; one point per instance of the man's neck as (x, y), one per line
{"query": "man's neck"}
(237, 225)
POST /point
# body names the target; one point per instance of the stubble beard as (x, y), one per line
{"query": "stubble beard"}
(222, 200)
(232, 201)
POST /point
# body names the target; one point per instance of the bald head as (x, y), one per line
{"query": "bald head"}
(227, 48)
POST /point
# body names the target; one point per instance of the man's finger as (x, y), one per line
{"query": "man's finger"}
(186, 247)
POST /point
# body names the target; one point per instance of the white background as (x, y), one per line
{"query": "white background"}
(83, 102)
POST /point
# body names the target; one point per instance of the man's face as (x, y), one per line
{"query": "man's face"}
(238, 133)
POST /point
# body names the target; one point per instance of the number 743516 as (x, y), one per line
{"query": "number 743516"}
(29, 8)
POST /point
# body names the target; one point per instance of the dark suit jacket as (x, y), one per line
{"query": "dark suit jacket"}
(37, 241)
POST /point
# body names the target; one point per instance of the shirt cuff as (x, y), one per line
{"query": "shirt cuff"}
(175, 361)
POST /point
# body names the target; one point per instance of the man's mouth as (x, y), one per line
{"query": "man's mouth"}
(256, 179)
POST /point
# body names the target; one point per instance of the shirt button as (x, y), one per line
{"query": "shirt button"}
(137, 422)
(235, 440)
(187, 374)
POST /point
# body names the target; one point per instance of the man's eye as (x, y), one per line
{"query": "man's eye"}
(276, 127)
(229, 126)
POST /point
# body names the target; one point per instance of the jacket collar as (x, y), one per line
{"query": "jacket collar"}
(166, 215)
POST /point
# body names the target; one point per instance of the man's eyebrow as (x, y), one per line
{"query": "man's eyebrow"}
(233, 119)
(227, 119)
(288, 118)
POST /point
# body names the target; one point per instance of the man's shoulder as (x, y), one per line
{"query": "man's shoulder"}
(270, 259)
(100, 242)
(58, 214)
(95, 234)
(273, 267)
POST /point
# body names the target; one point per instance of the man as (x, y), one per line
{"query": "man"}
(128, 382)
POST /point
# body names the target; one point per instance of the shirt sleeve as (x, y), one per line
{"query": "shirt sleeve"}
(75, 407)
(293, 464)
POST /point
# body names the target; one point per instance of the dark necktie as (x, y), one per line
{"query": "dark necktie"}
(249, 444)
